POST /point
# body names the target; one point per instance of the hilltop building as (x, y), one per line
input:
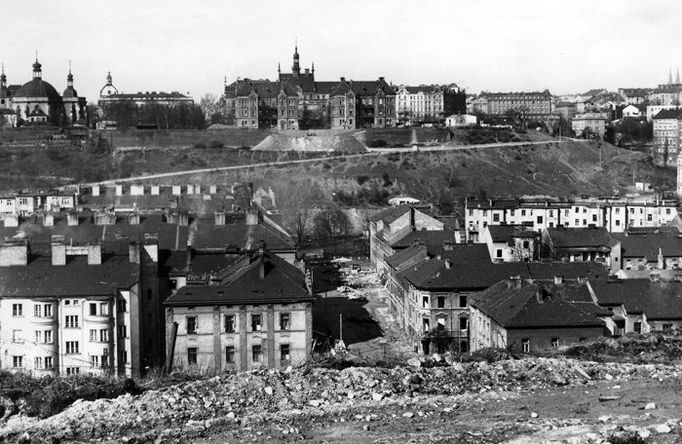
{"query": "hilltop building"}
(110, 95)
(667, 124)
(37, 102)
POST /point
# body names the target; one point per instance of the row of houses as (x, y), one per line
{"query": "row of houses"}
(522, 287)
(125, 294)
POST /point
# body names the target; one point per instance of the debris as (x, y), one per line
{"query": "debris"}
(605, 398)
(650, 406)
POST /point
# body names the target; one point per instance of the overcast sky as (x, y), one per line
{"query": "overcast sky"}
(492, 45)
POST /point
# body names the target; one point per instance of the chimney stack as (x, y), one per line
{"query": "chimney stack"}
(58, 250)
(48, 219)
(220, 217)
(13, 253)
(134, 253)
(251, 216)
(72, 218)
(558, 280)
(95, 190)
(134, 218)
(94, 254)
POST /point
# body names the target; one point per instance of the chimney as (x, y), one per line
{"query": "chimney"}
(58, 250)
(94, 254)
(48, 219)
(183, 218)
(95, 190)
(134, 218)
(251, 216)
(661, 262)
(448, 264)
(11, 220)
(151, 246)
(558, 280)
(134, 253)
(189, 257)
(13, 253)
(261, 268)
(220, 217)
(412, 218)
(72, 218)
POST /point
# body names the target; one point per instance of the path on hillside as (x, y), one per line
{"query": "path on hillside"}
(371, 152)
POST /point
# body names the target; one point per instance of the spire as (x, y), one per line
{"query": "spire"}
(69, 77)
(3, 77)
(670, 77)
(279, 68)
(296, 67)
(37, 73)
(677, 77)
(225, 81)
(109, 78)
(312, 67)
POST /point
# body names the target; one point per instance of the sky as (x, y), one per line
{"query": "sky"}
(482, 45)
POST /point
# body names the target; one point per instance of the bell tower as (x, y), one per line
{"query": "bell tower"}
(296, 67)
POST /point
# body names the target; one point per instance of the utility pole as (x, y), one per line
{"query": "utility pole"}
(341, 328)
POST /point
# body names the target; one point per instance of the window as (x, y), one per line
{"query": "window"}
(123, 356)
(17, 310)
(284, 352)
(498, 253)
(284, 321)
(539, 219)
(425, 302)
(426, 325)
(71, 347)
(38, 363)
(496, 217)
(462, 302)
(104, 335)
(523, 212)
(192, 325)
(256, 354)
(256, 322)
(72, 371)
(555, 342)
(39, 336)
(122, 305)
(47, 310)
(72, 321)
(17, 336)
(667, 327)
(192, 355)
(638, 327)
(48, 362)
(37, 311)
(48, 336)
(525, 345)
(94, 361)
(463, 323)
(93, 335)
(594, 218)
(93, 309)
(441, 301)
(17, 361)
(229, 323)
(441, 324)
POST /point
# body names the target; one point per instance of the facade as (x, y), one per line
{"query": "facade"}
(38, 102)
(592, 122)
(577, 244)
(511, 243)
(419, 104)
(667, 127)
(259, 314)
(632, 111)
(263, 104)
(110, 95)
(532, 105)
(652, 250)
(362, 104)
(78, 309)
(461, 120)
(614, 214)
(531, 316)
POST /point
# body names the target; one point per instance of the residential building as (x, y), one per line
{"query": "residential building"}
(577, 244)
(589, 123)
(633, 111)
(419, 104)
(535, 315)
(635, 96)
(532, 105)
(258, 314)
(79, 308)
(110, 95)
(362, 104)
(646, 249)
(667, 127)
(511, 243)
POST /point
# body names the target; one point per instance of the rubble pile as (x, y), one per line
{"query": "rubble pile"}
(232, 400)
(663, 347)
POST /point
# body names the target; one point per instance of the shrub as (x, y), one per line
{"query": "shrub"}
(378, 143)
(200, 145)
(215, 144)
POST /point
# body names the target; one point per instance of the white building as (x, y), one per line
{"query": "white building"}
(461, 120)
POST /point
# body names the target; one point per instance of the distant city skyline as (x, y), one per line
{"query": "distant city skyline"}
(487, 45)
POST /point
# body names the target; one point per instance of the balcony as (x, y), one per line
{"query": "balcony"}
(43, 320)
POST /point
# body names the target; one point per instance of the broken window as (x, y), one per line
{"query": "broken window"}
(256, 322)
(192, 325)
(525, 345)
(256, 354)
(229, 354)
(638, 327)
(441, 323)
(284, 352)
(284, 321)
(555, 342)
(192, 355)
(463, 323)
(229, 323)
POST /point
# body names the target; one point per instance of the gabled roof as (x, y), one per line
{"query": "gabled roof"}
(401, 257)
(389, 215)
(579, 237)
(537, 305)
(433, 239)
(648, 244)
(42, 279)
(281, 283)
(669, 114)
(205, 234)
(657, 300)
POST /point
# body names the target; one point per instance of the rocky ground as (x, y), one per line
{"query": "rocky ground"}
(526, 400)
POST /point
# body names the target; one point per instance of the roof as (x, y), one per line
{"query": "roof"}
(281, 283)
(648, 244)
(562, 237)
(435, 275)
(669, 114)
(204, 234)
(305, 80)
(76, 278)
(536, 305)
(505, 233)
(403, 256)
(433, 239)
(38, 88)
(389, 215)
(657, 300)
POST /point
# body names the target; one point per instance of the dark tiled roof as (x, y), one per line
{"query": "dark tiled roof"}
(206, 235)
(282, 283)
(579, 237)
(325, 87)
(505, 233)
(647, 244)
(76, 278)
(569, 270)
(415, 252)
(532, 305)
(433, 239)
(305, 80)
(38, 88)
(149, 96)
(669, 114)
(658, 300)
(389, 214)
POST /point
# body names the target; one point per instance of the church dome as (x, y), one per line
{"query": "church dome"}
(38, 88)
(70, 92)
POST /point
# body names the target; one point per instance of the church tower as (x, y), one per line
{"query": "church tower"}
(296, 67)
